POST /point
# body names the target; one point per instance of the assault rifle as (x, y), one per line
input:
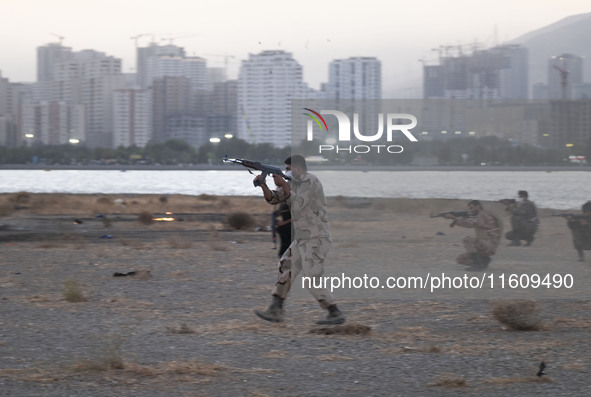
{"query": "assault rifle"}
(507, 201)
(573, 216)
(257, 165)
(457, 214)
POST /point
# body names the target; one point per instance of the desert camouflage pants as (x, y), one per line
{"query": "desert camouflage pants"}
(475, 245)
(307, 257)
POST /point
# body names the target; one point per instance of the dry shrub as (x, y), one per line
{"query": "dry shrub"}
(240, 220)
(20, 198)
(191, 367)
(72, 291)
(518, 314)
(104, 200)
(347, 329)
(207, 197)
(449, 380)
(145, 218)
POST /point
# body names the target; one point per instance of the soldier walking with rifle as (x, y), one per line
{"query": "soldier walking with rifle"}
(305, 196)
(488, 229)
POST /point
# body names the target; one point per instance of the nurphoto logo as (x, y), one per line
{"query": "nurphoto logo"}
(388, 124)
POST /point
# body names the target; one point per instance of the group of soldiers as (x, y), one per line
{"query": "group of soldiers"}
(524, 224)
(302, 224)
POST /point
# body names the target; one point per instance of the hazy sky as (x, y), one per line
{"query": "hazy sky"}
(399, 33)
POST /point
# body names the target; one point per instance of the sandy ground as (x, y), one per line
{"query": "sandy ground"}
(183, 323)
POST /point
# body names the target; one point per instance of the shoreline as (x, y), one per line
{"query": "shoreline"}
(313, 166)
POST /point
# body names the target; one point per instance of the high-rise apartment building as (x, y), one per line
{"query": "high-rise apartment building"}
(49, 55)
(354, 78)
(49, 122)
(153, 50)
(193, 68)
(267, 82)
(171, 98)
(9, 111)
(132, 121)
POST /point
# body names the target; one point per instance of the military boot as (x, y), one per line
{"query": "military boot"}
(478, 262)
(275, 311)
(335, 316)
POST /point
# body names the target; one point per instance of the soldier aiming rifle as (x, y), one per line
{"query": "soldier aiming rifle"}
(580, 227)
(488, 229)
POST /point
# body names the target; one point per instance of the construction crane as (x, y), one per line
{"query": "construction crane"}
(58, 36)
(226, 57)
(171, 39)
(563, 79)
(135, 38)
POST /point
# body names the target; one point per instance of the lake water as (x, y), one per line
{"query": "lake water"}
(556, 189)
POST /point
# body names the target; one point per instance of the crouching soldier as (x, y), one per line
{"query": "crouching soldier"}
(488, 230)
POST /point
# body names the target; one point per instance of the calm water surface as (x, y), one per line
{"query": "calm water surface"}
(557, 189)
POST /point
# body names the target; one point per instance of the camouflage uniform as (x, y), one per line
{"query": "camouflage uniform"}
(488, 234)
(524, 221)
(311, 243)
(581, 235)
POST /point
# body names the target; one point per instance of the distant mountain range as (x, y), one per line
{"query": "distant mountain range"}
(571, 35)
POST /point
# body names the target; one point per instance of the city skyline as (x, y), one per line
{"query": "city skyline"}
(316, 33)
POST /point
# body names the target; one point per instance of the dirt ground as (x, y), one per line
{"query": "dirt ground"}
(177, 320)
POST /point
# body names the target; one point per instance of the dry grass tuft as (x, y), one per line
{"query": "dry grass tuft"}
(214, 241)
(182, 329)
(6, 210)
(240, 220)
(77, 241)
(72, 291)
(106, 356)
(518, 314)
(107, 222)
(450, 381)
(131, 242)
(347, 329)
